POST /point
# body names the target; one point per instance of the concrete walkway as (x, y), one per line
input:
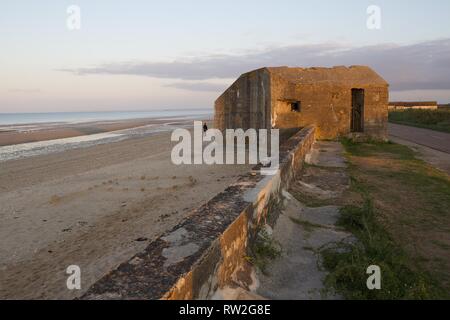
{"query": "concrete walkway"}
(302, 230)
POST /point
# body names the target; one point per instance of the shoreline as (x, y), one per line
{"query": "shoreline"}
(60, 130)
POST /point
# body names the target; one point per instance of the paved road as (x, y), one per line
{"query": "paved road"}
(429, 138)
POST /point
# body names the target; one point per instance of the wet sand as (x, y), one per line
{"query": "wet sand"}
(57, 131)
(93, 207)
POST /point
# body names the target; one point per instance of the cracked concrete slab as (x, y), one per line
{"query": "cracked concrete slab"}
(317, 191)
(326, 154)
(326, 216)
(297, 275)
(177, 236)
(178, 253)
(303, 231)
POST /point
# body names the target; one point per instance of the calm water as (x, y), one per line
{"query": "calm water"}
(79, 117)
(37, 121)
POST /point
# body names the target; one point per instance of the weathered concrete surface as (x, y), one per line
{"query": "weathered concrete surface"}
(326, 154)
(262, 99)
(206, 252)
(302, 232)
(246, 104)
(152, 273)
(236, 293)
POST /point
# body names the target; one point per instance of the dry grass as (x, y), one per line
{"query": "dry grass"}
(411, 202)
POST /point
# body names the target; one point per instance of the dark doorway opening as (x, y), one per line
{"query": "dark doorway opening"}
(357, 122)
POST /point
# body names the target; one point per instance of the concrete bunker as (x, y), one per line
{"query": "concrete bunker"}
(339, 101)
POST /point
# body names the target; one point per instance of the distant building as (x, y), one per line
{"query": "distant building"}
(339, 101)
(429, 105)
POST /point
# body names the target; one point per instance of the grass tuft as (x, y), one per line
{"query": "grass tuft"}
(371, 148)
(264, 250)
(403, 277)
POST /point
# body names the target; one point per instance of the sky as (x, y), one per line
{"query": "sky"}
(144, 55)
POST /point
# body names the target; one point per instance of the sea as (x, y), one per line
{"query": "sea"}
(8, 119)
(27, 122)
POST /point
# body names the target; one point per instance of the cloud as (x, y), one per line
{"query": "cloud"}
(198, 86)
(420, 66)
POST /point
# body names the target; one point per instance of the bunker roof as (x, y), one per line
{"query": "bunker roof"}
(352, 76)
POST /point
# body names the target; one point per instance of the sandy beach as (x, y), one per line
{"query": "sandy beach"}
(15, 134)
(93, 207)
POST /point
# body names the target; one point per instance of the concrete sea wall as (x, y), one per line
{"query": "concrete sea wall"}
(207, 251)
